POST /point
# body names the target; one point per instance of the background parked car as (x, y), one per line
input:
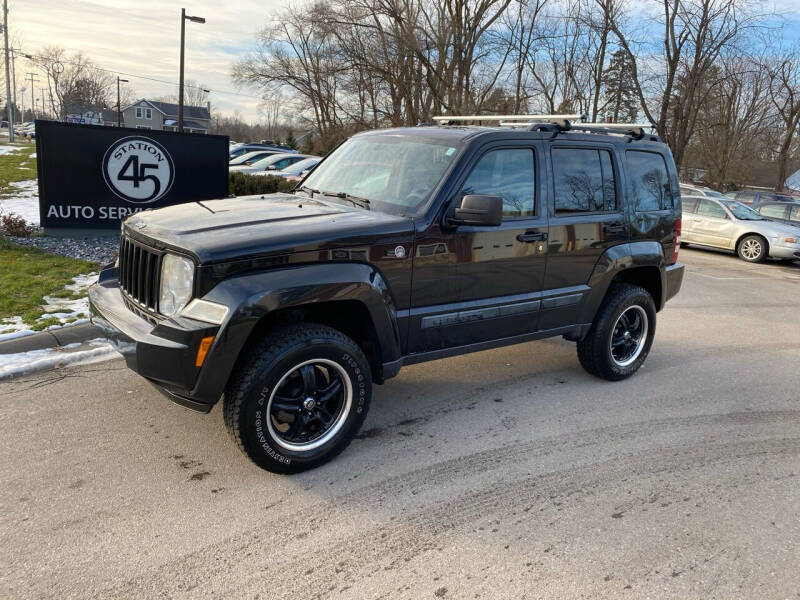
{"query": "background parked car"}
(245, 148)
(731, 225)
(754, 198)
(276, 162)
(688, 189)
(295, 170)
(785, 212)
(250, 157)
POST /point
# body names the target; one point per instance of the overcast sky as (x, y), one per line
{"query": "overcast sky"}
(142, 37)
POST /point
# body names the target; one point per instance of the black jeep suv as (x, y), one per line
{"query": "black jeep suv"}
(402, 246)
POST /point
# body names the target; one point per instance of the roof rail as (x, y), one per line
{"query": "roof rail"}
(542, 118)
(635, 130)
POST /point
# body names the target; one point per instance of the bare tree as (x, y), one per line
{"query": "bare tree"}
(732, 119)
(694, 35)
(73, 79)
(784, 92)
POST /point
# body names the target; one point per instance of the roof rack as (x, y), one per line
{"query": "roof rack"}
(541, 118)
(556, 123)
(635, 130)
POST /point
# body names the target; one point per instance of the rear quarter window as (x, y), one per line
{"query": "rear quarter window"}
(688, 205)
(649, 181)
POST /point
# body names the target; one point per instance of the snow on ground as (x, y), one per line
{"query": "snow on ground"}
(24, 202)
(52, 358)
(5, 149)
(60, 308)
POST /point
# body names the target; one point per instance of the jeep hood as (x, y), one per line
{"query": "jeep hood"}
(217, 231)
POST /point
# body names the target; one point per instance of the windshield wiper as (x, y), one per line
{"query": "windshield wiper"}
(355, 200)
(308, 190)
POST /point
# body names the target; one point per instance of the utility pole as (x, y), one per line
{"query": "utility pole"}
(33, 100)
(14, 77)
(119, 112)
(8, 78)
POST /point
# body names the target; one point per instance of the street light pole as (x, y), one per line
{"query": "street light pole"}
(8, 79)
(119, 112)
(33, 79)
(184, 18)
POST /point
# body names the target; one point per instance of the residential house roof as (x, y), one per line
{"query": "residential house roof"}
(171, 110)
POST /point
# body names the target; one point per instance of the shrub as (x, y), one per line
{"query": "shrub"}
(242, 184)
(15, 225)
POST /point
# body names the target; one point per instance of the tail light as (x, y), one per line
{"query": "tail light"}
(676, 241)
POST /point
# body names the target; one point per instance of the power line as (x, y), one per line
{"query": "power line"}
(145, 77)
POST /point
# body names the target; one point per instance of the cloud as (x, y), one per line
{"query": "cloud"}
(143, 38)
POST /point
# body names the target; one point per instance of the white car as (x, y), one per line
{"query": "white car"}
(731, 225)
(276, 162)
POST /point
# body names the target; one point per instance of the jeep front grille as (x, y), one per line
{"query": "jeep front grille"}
(139, 272)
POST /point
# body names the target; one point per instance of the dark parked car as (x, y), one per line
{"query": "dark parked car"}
(402, 246)
(786, 212)
(754, 198)
(236, 151)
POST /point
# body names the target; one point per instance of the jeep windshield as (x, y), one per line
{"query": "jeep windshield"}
(393, 173)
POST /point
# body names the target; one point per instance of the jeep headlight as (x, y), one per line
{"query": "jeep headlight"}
(177, 281)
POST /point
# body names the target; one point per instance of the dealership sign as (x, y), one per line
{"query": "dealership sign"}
(95, 176)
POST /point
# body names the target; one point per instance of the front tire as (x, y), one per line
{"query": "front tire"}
(299, 398)
(752, 248)
(622, 333)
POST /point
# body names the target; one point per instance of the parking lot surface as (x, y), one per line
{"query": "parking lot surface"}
(505, 474)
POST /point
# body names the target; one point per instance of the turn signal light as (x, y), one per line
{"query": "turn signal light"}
(202, 350)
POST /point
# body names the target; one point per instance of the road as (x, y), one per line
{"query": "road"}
(505, 474)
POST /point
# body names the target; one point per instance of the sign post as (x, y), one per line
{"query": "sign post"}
(91, 176)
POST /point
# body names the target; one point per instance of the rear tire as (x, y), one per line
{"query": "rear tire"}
(752, 249)
(621, 335)
(299, 397)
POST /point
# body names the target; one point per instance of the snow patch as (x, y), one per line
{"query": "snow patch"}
(7, 149)
(63, 309)
(24, 201)
(12, 365)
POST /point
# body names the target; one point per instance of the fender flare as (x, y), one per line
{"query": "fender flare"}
(252, 296)
(615, 260)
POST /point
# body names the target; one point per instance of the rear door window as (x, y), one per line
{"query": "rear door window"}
(709, 208)
(650, 181)
(584, 180)
(688, 205)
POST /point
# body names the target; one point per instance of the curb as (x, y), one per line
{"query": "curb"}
(51, 339)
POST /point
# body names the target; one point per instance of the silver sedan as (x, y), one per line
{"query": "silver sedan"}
(735, 226)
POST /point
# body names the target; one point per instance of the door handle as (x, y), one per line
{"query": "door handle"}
(538, 236)
(614, 228)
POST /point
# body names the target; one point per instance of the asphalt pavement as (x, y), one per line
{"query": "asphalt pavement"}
(509, 473)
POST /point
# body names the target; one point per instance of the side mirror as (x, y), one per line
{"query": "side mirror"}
(486, 211)
(272, 168)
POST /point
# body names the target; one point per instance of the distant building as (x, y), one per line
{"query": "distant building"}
(150, 114)
(87, 114)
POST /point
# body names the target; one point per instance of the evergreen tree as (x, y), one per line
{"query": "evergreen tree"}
(290, 141)
(622, 104)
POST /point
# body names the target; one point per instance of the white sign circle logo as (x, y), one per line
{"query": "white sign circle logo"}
(138, 169)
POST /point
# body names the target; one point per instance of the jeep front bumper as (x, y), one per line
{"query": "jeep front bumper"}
(165, 352)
